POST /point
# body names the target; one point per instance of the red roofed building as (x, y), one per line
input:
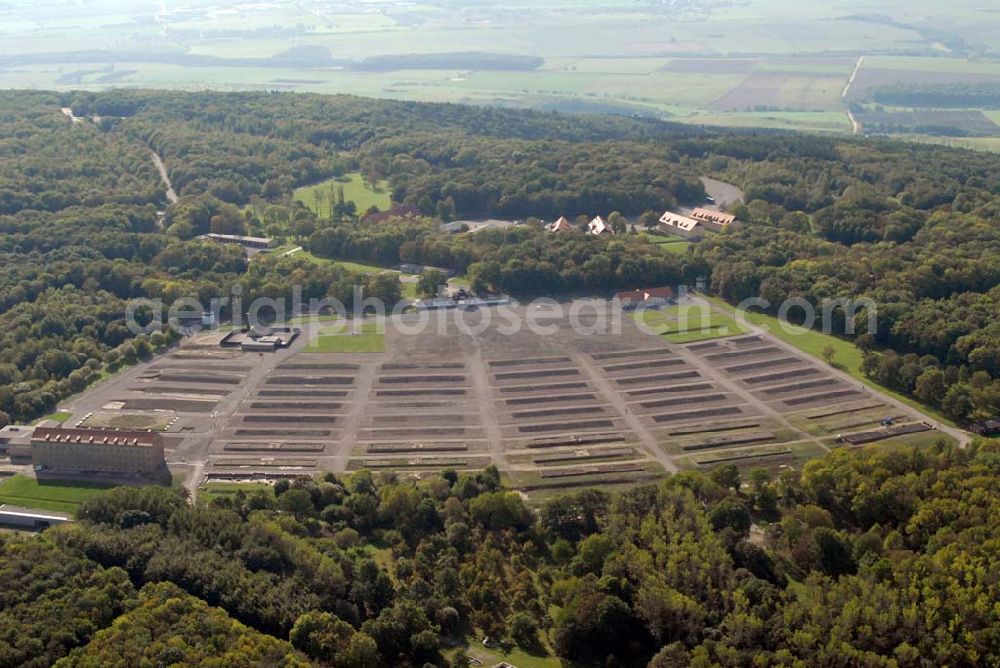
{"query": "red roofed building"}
(645, 298)
(97, 450)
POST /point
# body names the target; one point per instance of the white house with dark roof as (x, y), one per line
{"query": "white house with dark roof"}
(599, 226)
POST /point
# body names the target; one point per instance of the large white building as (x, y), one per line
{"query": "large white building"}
(716, 221)
(97, 451)
(674, 223)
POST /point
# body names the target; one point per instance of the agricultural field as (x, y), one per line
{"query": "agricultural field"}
(757, 64)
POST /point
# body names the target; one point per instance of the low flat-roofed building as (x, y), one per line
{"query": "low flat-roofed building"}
(97, 450)
(15, 441)
(674, 223)
(264, 344)
(256, 243)
(713, 220)
(986, 427)
(29, 518)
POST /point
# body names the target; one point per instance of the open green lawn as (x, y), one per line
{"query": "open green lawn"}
(349, 265)
(491, 656)
(57, 495)
(408, 289)
(677, 247)
(347, 343)
(305, 319)
(847, 356)
(686, 324)
(318, 197)
(668, 242)
(351, 327)
(58, 416)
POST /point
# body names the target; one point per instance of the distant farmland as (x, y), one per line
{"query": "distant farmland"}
(763, 63)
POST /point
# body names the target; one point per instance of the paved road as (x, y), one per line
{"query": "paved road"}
(162, 169)
(724, 194)
(855, 125)
(963, 437)
(718, 377)
(479, 375)
(854, 75)
(649, 442)
(364, 379)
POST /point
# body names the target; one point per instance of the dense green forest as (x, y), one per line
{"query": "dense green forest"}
(911, 227)
(872, 557)
(883, 557)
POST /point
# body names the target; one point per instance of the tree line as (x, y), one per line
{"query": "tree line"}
(879, 557)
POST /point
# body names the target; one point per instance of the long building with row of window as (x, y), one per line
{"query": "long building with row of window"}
(107, 451)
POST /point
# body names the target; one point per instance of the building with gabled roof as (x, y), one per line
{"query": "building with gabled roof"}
(647, 298)
(674, 223)
(97, 450)
(562, 225)
(713, 220)
(599, 226)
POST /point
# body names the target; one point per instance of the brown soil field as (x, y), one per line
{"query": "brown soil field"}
(563, 426)
(762, 365)
(669, 389)
(710, 66)
(522, 361)
(700, 413)
(167, 404)
(781, 375)
(824, 396)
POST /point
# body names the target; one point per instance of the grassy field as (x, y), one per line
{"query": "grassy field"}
(60, 496)
(408, 289)
(306, 319)
(368, 342)
(58, 416)
(317, 198)
(349, 265)
(669, 243)
(686, 324)
(491, 656)
(847, 356)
